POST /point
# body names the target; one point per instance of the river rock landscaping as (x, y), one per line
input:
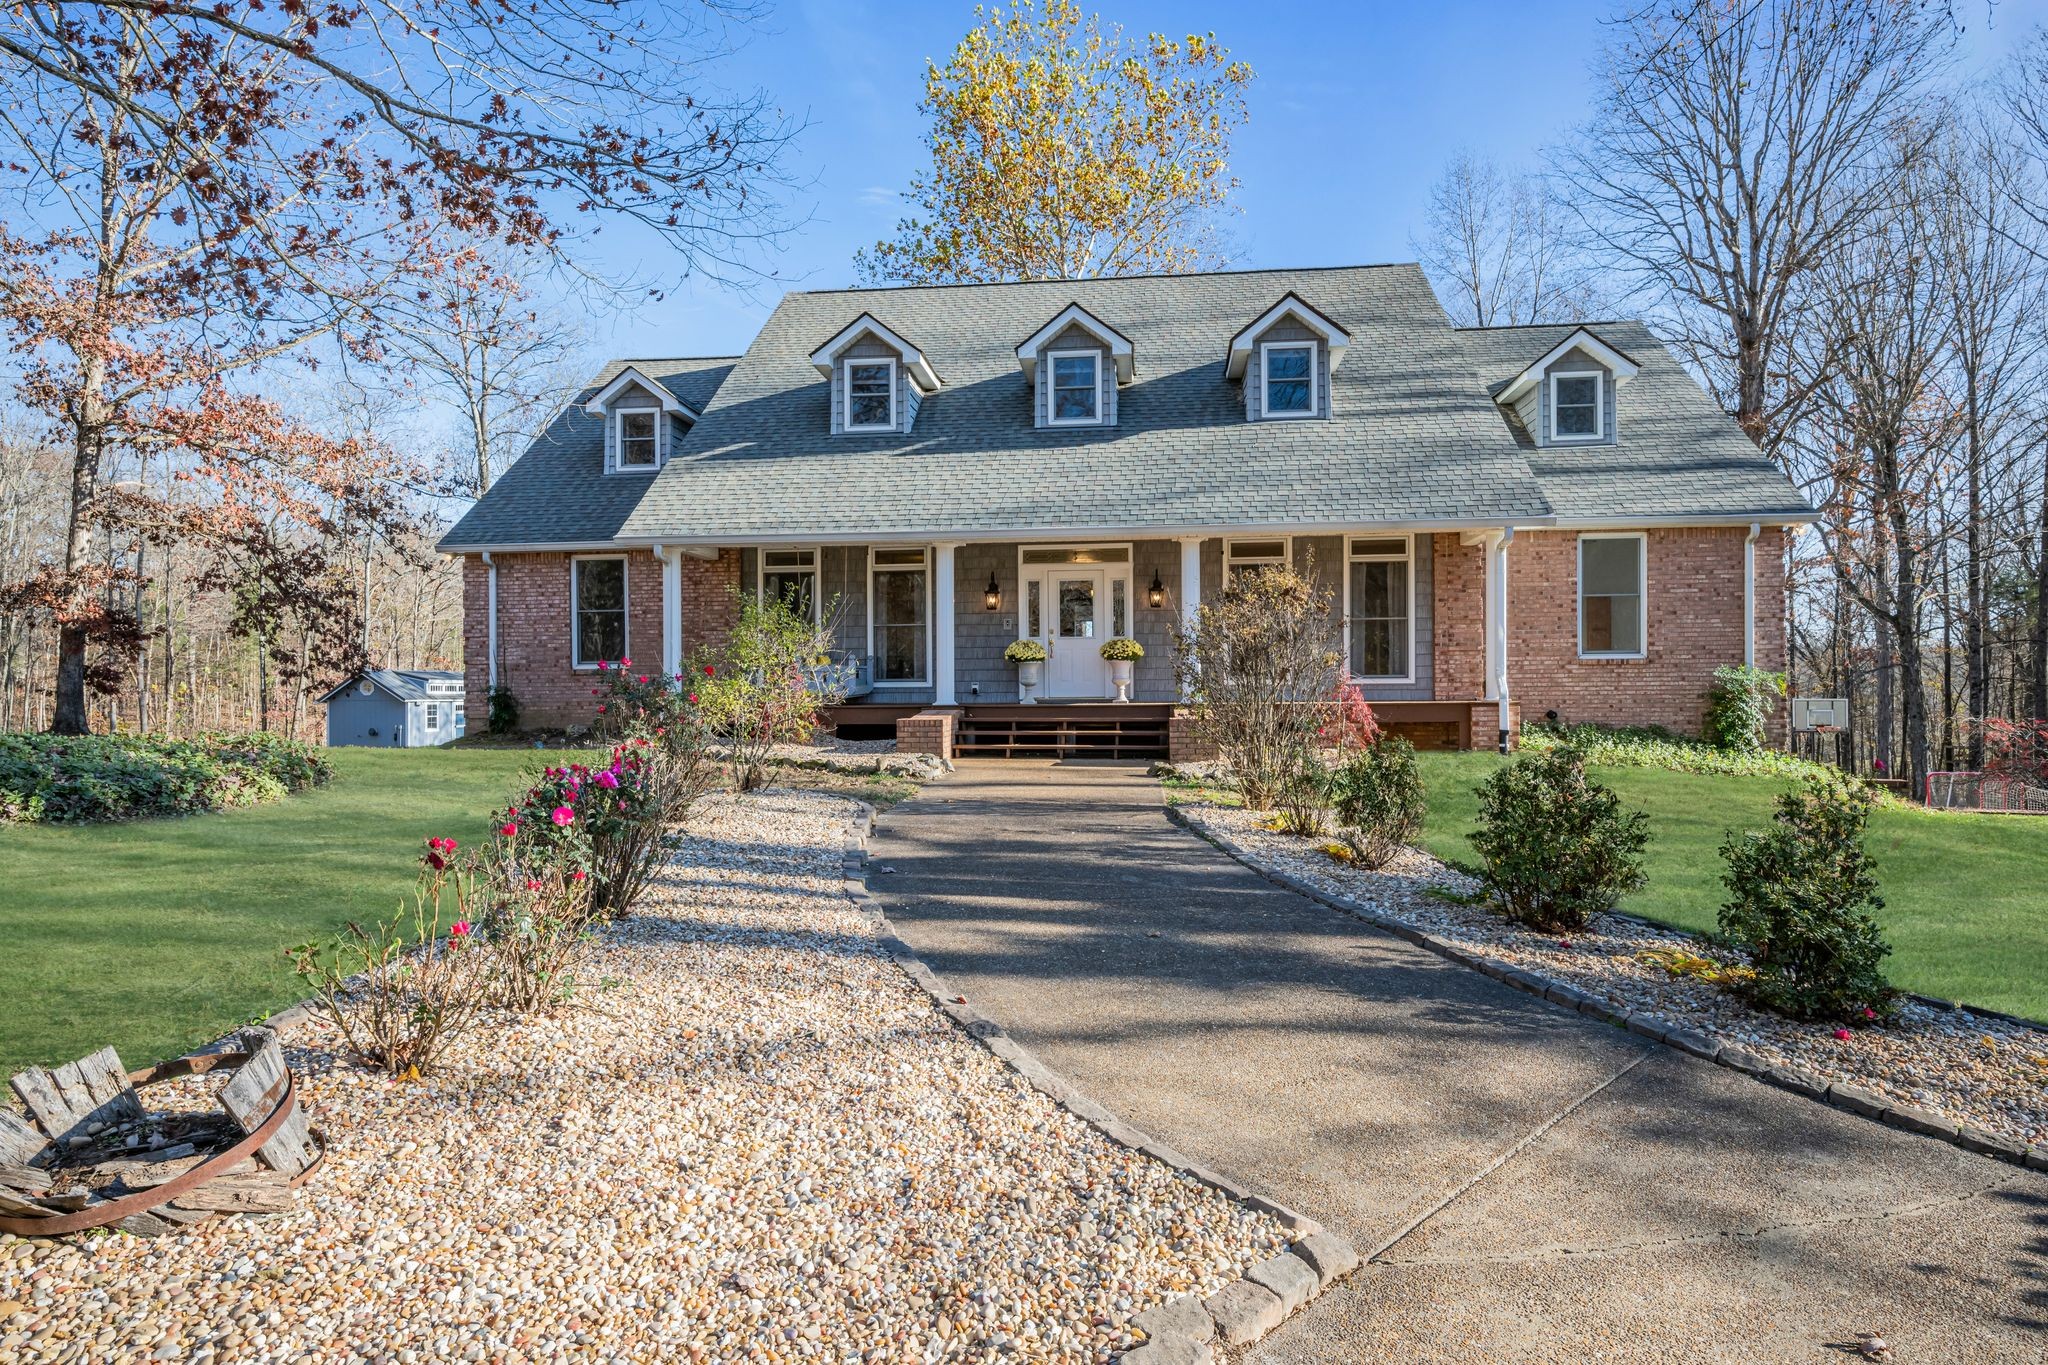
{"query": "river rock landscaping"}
(757, 1139)
(1988, 1072)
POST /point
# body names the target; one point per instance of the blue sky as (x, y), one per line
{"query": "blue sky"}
(1354, 111)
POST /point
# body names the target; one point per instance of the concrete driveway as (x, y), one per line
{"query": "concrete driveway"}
(1528, 1185)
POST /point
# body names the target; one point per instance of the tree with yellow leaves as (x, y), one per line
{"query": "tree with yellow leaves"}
(1061, 148)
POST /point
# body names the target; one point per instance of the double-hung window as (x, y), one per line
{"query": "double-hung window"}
(597, 586)
(637, 437)
(1289, 372)
(901, 592)
(1613, 583)
(1380, 608)
(1244, 557)
(791, 577)
(1577, 406)
(433, 715)
(1076, 388)
(870, 395)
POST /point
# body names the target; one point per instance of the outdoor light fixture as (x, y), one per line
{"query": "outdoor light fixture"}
(994, 596)
(1155, 596)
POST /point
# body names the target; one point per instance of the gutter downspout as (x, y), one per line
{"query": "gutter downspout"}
(1507, 537)
(1749, 593)
(490, 622)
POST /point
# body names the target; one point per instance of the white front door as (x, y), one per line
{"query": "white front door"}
(1076, 622)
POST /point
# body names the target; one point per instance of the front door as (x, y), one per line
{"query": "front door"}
(1076, 623)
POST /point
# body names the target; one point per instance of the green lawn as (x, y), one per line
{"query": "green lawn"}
(1966, 895)
(158, 935)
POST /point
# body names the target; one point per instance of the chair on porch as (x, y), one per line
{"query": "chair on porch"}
(841, 673)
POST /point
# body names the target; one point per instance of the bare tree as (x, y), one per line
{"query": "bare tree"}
(1496, 247)
(1730, 157)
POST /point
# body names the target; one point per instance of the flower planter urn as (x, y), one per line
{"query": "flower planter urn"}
(1027, 678)
(1120, 674)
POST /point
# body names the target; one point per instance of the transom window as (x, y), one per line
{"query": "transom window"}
(1613, 583)
(1242, 557)
(901, 592)
(1289, 369)
(638, 440)
(598, 588)
(1576, 402)
(791, 576)
(870, 395)
(1380, 608)
(1076, 388)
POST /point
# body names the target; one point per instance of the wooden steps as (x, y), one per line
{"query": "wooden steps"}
(1070, 730)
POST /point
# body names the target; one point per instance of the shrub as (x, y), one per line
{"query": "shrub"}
(535, 926)
(611, 822)
(400, 990)
(1653, 746)
(1738, 705)
(73, 779)
(1303, 800)
(1122, 649)
(1800, 901)
(1556, 846)
(504, 715)
(1026, 652)
(1260, 666)
(2016, 749)
(1379, 800)
(757, 692)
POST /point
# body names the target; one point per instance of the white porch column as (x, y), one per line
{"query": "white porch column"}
(944, 626)
(1190, 581)
(671, 558)
(1496, 548)
(491, 620)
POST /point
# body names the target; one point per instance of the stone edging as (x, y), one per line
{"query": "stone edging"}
(1179, 1331)
(1853, 1099)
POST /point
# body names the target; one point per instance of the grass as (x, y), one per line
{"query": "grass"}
(1965, 909)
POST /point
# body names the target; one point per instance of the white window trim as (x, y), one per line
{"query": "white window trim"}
(846, 422)
(1390, 680)
(817, 554)
(931, 626)
(1315, 387)
(1230, 544)
(1642, 596)
(1599, 406)
(626, 591)
(619, 465)
(1052, 359)
(1114, 571)
(433, 714)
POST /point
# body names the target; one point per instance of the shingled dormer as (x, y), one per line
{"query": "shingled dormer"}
(1567, 397)
(1069, 362)
(643, 420)
(878, 379)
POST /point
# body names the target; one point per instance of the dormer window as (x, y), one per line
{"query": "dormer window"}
(871, 395)
(1289, 370)
(1577, 406)
(637, 437)
(1076, 387)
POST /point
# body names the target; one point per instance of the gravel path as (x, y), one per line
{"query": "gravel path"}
(1989, 1073)
(759, 1142)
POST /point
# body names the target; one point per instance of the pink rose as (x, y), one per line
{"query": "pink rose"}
(578, 875)
(533, 884)
(1842, 1035)
(508, 829)
(608, 779)
(625, 663)
(562, 815)
(459, 929)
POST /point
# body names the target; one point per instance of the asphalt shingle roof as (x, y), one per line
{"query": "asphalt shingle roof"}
(557, 493)
(1415, 437)
(1675, 452)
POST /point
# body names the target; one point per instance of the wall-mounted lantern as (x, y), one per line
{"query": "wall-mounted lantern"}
(1155, 596)
(993, 598)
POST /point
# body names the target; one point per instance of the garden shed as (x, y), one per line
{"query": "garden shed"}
(396, 708)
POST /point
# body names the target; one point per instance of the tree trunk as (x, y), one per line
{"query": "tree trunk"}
(2040, 640)
(1978, 667)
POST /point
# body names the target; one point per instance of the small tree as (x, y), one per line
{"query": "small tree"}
(1379, 800)
(1739, 706)
(1556, 845)
(1801, 896)
(1260, 667)
(763, 688)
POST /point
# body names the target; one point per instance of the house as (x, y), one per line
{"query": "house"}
(396, 708)
(1520, 521)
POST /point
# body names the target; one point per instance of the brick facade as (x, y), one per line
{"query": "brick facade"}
(927, 732)
(1460, 619)
(533, 626)
(1693, 618)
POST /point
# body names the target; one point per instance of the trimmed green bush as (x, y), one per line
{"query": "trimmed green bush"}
(1801, 897)
(1556, 847)
(1379, 800)
(1738, 704)
(79, 779)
